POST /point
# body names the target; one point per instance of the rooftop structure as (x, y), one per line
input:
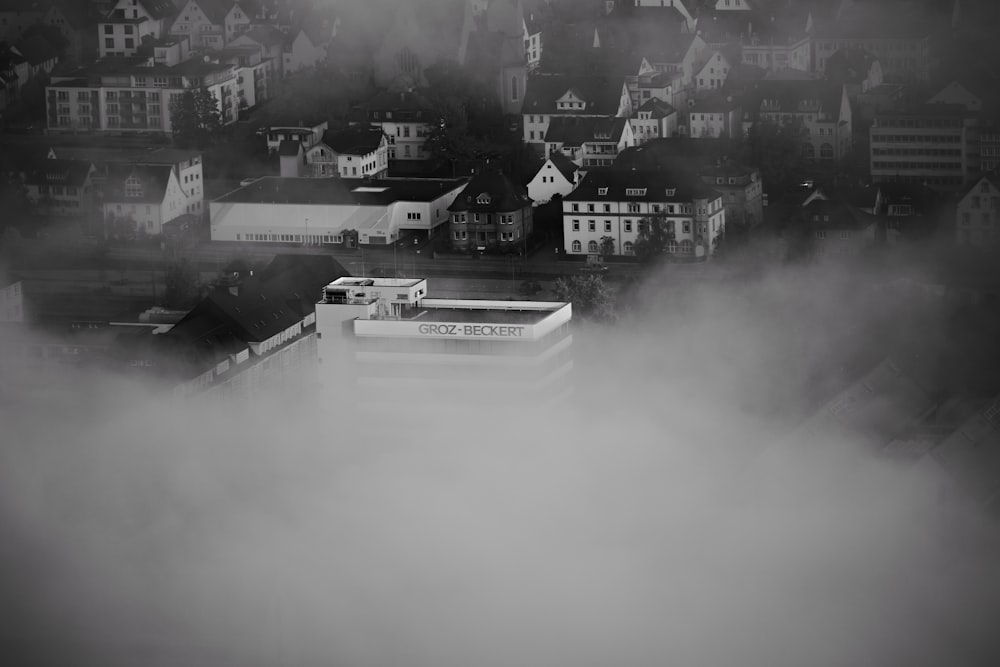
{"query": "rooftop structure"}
(386, 344)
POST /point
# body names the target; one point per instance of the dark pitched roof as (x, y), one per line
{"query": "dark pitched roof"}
(501, 194)
(795, 95)
(158, 9)
(153, 178)
(565, 166)
(215, 10)
(655, 185)
(602, 94)
(657, 108)
(354, 140)
(575, 131)
(677, 153)
(72, 173)
(835, 214)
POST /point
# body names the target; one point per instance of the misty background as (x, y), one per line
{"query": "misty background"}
(661, 517)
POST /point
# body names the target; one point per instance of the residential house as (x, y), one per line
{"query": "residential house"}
(61, 187)
(717, 116)
(256, 76)
(355, 152)
(270, 42)
(834, 228)
(592, 142)
(711, 75)
(406, 118)
(557, 176)
(742, 190)
(550, 96)
(307, 46)
(186, 164)
(130, 23)
(821, 107)
(655, 119)
(141, 199)
(977, 216)
(773, 41)
(615, 203)
(491, 212)
(308, 133)
(898, 37)
(212, 24)
(124, 96)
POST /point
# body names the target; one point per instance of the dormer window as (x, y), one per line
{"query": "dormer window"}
(484, 198)
(133, 187)
(602, 191)
(671, 192)
(635, 192)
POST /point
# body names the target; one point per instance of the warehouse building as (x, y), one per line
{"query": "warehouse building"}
(325, 211)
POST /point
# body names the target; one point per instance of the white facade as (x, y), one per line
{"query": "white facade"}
(151, 216)
(318, 223)
(302, 53)
(978, 215)
(550, 181)
(386, 343)
(712, 75)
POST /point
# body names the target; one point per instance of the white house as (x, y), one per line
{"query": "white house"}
(712, 74)
(561, 96)
(655, 119)
(978, 213)
(558, 176)
(147, 195)
(129, 22)
(356, 152)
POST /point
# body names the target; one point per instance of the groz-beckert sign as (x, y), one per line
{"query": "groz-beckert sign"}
(456, 330)
(471, 330)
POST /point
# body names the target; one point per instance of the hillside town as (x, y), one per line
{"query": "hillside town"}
(690, 244)
(184, 157)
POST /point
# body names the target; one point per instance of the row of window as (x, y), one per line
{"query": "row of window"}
(953, 152)
(501, 218)
(627, 226)
(293, 238)
(655, 208)
(916, 165)
(483, 237)
(916, 138)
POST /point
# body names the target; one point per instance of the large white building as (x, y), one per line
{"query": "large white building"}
(383, 342)
(311, 211)
(615, 203)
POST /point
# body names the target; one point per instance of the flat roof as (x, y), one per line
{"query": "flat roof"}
(355, 281)
(335, 190)
(479, 315)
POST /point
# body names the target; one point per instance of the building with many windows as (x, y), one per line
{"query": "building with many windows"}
(614, 204)
(924, 144)
(130, 95)
(491, 212)
(386, 345)
(405, 118)
(821, 107)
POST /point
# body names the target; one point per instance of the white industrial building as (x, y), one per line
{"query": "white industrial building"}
(317, 211)
(382, 341)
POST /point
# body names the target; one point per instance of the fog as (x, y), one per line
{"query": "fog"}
(665, 515)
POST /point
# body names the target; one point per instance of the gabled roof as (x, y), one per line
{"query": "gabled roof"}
(657, 108)
(214, 10)
(354, 140)
(790, 95)
(158, 9)
(490, 191)
(154, 180)
(601, 93)
(654, 185)
(566, 167)
(71, 173)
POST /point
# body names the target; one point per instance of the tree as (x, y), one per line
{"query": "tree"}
(195, 118)
(590, 295)
(182, 282)
(653, 238)
(775, 149)
(607, 246)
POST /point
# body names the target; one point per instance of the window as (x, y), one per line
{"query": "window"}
(577, 247)
(576, 208)
(592, 246)
(607, 208)
(129, 43)
(133, 187)
(602, 191)
(590, 208)
(591, 226)
(628, 225)
(635, 192)
(633, 208)
(109, 43)
(686, 227)
(672, 246)
(413, 215)
(109, 29)
(484, 199)
(687, 247)
(576, 225)
(628, 248)
(459, 217)
(607, 225)
(671, 192)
